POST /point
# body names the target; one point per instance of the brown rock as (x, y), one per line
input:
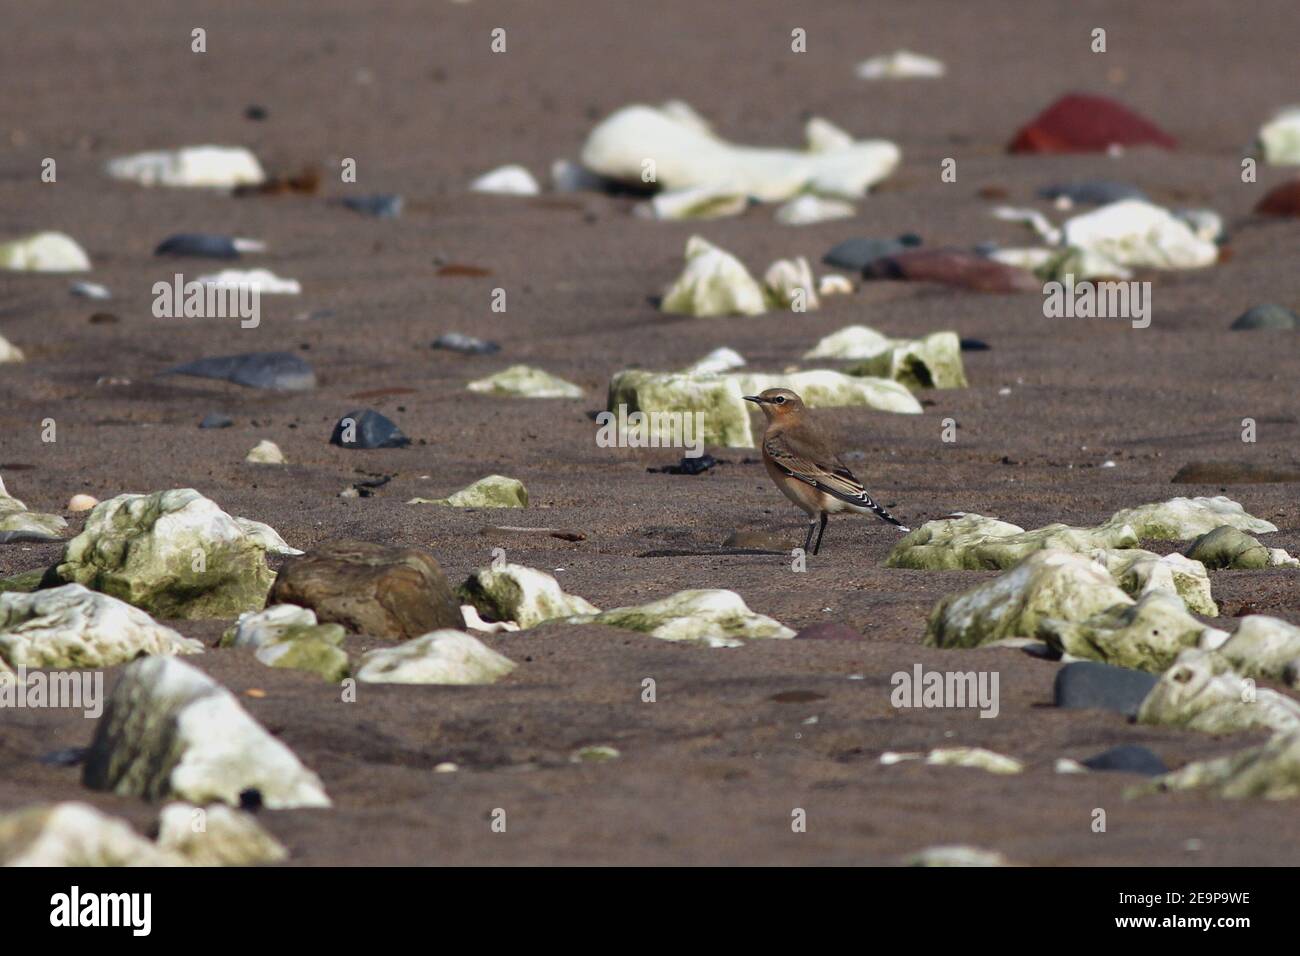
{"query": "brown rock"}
(829, 631)
(1233, 473)
(954, 267)
(375, 589)
(1281, 200)
(1080, 123)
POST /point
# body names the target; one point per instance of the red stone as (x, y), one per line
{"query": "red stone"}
(1281, 200)
(1081, 123)
(954, 267)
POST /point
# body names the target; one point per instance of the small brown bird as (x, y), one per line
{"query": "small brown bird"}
(805, 467)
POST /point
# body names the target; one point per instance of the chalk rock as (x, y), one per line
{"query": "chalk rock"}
(1226, 547)
(957, 855)
(465, 344)
(511, 180)
(713, 283)
(19, 524)
(261, 281)
(90, 290)
(494, 491)
(170, 730)
(973, 542)
(719, 360)
(44, 252)
(1147, 635)
(1271, 771)
(216, 167)
(1261, 647)
(1140, 572)
(696, 202)
(287, 636)
(1134, 234)
(976, 757)
(74, 834)
(374, 589)
(686, 153)
(266, 453)
(1279, 138)
(521, 594)
(714, 618)
(933, 361)
(900, 65)
(790, 285)
(216, 836)
(71, 627)
(1200, 691)
(1049, 584)
(172, 553)
(825, 388)
(442, 657)
(265, 537)
(1181, 519)
(806, 210)
(832, 284)
(523, 381)
(717, 398)
(1081, 123)
(10, 352)
(79, 503)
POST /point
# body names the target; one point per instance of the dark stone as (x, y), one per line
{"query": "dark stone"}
(1127, 758)
(829, 631)
(1281, 200)
(856, 254)
(954, 267)
(202, 244)
(688, 466)
(373, 589)
(256, 113)
(379, 205)
(250, 800)
(1267, 316)
(974, 345)
(66, 757)
(1090, 685)
(465, 344)
(31, 537)
(279, 371)
(797, 697)
(1093, 192)
(1083, 123)
(1233, 473)
(216, 420)
(371, 430)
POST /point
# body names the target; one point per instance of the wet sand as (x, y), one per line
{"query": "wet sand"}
(711, 771)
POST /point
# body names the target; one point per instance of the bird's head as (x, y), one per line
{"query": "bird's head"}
(777, 403)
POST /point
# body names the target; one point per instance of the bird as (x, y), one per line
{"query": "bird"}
(803, 464)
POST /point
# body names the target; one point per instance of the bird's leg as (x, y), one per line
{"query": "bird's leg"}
(820, 531)
(807, 542)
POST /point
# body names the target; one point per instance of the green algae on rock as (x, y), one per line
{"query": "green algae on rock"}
(494, 491)
(1181, 519)
(76, 834)
(1261, 646)
(1140, 572)
(1271, 771)
(1146, 635)
(16, 522)
(1049, 584)
(714, 283)
(288, 636)
(171, 553)
(521, 594)
(73, 627)
(1227, 547)
(713, 617)
(523, 381)
(717, 399)
(442, 657)
(932, 361)
(216, 835)
(830, 389)
(170, 730)
(1202, 692)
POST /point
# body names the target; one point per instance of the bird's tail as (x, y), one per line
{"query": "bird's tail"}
(866, 502)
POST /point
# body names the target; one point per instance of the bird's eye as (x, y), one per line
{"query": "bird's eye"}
(780, 400)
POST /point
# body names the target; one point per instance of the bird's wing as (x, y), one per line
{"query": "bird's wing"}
(822, 469)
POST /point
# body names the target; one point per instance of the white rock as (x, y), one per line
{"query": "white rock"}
(1031, 259)
(10, 352)
(44, 252)
(266, 537)
(827, 388)
(521, 594)
(441, 657)
(507, 181)
(217, 167)
(82, 502)
(790, 284)
(851, 342)
(73, 627)
(90, 290)
(170, 730)
(900, 65)
(475, 623)
(259, 629)
(262, 281)
(696, 202)
(714, 618)
(713, 283)
(216, 836)
(1136, 234)
(1279, 138)
(1032, 218)
(685, 153)
(834, 284)
(806, 210)
(266, 452)
(74, 834)
(719, 360)
(524, 381)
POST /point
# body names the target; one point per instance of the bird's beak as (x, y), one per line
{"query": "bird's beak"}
(755, 399)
